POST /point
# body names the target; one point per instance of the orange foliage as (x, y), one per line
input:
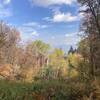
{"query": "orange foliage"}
(6, 70)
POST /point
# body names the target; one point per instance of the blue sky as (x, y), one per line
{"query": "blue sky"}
(53, 21)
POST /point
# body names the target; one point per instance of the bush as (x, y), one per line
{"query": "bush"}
(61, 90)
(13, 90)
(44, 90)
(49, 73)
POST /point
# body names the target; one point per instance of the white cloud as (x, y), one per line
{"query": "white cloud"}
(27, 33)
(71, 38)
(30, 30)
(30, 24)
(71, 34)
(6, 1)
(47, 19)
(35, 33)
(46, 3)
(55, 9)
(53, 37)
(35, 25)
(59, 16)
(5, 13)
(5, 10)
(44, 26)
(82, 8)
(64, 17)
(27, 30)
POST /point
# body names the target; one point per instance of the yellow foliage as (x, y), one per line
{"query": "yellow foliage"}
(29, 73)
(57, 61)
(75, 60)
(6, 70)
(57, 58)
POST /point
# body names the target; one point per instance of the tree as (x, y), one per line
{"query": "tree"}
(11, 46)
(4, 29)
(71, 50)
(73, 63)
(58, 62)
(39, 47)
(84, 48)
(93, 9)
(9, 38)
(91, 28)
(39, 51)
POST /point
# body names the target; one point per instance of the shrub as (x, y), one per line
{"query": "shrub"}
(45, 90)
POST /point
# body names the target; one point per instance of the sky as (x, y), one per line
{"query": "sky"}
(56, 22)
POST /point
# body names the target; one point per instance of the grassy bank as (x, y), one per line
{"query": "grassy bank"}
(43, 90)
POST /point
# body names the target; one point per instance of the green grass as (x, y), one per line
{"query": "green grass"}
(13, 90)
(42, 90)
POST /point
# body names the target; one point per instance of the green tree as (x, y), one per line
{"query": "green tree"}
(73, 63)
(91, 28)
(84, 48)
(40, 51)
(58, 62)
(38, 47)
